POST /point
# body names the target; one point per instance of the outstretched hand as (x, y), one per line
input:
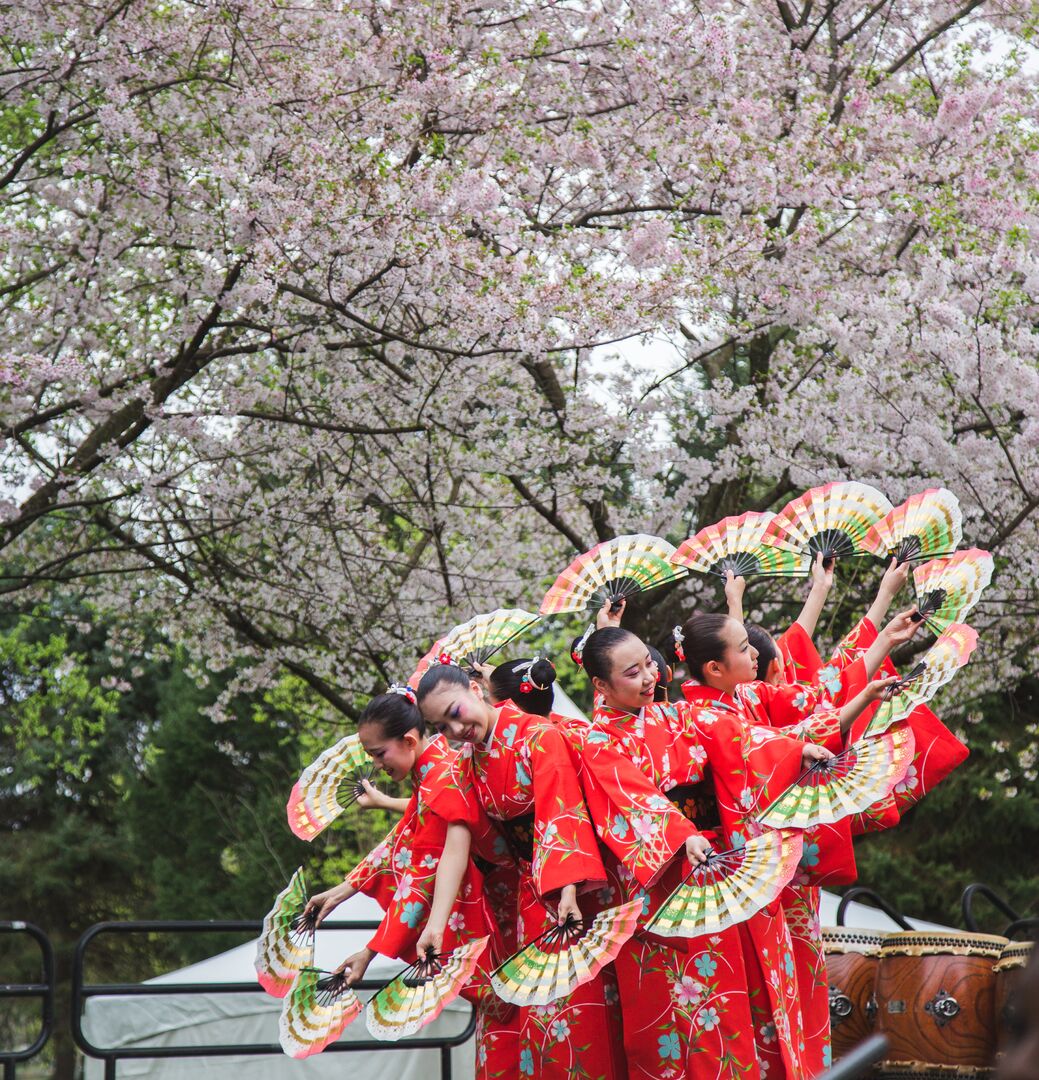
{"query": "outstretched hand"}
(902, 627)
(355, 966)
(322, 904)
(822, 574)
(894, 579)
(697, 848)
(606, 617)
(812, 753)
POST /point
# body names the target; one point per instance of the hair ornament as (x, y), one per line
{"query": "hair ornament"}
(679, 638)
(578, 650)
(444, 658)
(405, 691)
(524, 669)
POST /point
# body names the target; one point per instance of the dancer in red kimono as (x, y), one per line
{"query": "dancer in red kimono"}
(717, 648)
(425, 860)
(520, 771)
(700, 1006)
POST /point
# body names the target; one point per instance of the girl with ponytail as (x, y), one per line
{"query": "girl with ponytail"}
(423, 868)
(520, 770)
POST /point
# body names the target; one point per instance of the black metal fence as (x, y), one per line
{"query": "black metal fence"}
(43, 990)
(82, 990)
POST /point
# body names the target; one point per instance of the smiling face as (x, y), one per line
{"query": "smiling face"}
(633, 676)
(738, 662)
(396, 757)
(458, 711)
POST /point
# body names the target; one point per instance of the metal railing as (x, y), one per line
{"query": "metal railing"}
(43, 990)
(110, 1055)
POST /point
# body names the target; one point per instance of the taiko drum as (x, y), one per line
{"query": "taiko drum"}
(936, 1003)
(851, 970)
(1008, 970)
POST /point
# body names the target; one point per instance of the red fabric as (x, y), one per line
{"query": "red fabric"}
(528, 768)
(401, 874)
(801, 659)
(704, 1006)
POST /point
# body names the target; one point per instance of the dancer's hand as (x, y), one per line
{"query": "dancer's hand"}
(432, 937)
(568, 905)
(355, 966)
(880, 689)
(697, 848)
(901, 628)
(374, 799)
(606, 617)
(894, 580)
(812, 753)
(822, 575)
(324, 903)
(735, 587)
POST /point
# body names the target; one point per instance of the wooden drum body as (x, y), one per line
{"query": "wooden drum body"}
(851, 970)
(1008, 970)
(936, 1003)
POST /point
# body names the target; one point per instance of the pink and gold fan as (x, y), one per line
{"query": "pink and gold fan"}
(316, 1012)
(730, 886)
(327, 786)
(831, 520)
(946, 589)
(828, 791)
(565, 957)
(286, 943)
(418, 994)
(942, 660)
(477, 640)
(611, 572)
(735, 543)
(925, 526)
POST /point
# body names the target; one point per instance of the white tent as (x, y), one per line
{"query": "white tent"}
(163, 1020)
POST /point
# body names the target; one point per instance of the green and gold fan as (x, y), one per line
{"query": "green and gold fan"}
(316, 1012)
(846, 784)
(419, 993)
(735, 543)
(832, 520)
(286, 943)
(611, 572)
(942, 660)
(925, 526)
(476, 641)
(730, 886)
(327, 786)
(565, 957)
(946, 589)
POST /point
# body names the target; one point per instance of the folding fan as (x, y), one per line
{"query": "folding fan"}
(730, 886)
(735, 544)
(925, 525)
(423, 665)
(476, 641)
(316, 1011)
(942, 660)
(419, 993)
(612, 571)
(286, 943)
(327, 786)
(565, 957)
(832, 520)
(843, 785)
(946, 589)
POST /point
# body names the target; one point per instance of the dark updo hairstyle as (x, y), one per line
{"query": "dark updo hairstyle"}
(702, 641)
(763, 641)
(595, 658)
(441, 675)
(396, 715)
(508, 679)
(660, 693)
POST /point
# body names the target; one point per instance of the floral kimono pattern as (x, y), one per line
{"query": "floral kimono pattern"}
(400, 873)
(695, 1005)
(524, 779)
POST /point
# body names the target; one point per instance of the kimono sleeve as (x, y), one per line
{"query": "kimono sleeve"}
(633, 819)
(802, 712)
(373, 875)
(565, 847)
(800, 656)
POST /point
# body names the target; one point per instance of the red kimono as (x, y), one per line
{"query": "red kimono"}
(937, 752)
(692, 1006)
(400, 874)
(524, 778)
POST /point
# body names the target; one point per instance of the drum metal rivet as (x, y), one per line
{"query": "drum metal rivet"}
(871, 1008)
(943, 1007)
(841, 1006)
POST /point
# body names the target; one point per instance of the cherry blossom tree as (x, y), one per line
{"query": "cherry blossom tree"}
(300, 302)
